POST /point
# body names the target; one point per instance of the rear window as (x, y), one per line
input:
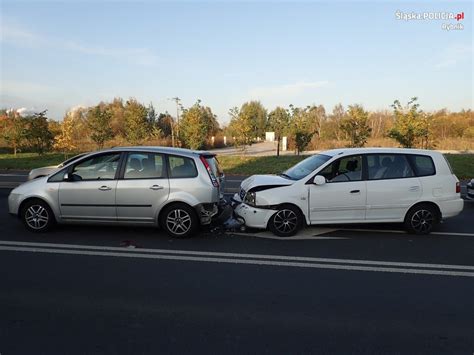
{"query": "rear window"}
(182, 167)
(214, 164)
(422, 164)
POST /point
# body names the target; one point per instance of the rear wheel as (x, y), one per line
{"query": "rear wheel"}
(286, 221)
(179, 220)
(37, 216)
(421, 219)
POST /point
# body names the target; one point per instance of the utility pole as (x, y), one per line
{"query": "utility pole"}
(178, 103)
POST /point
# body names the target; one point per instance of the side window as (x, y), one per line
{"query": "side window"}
(144, 166)
(422, 164)
(58, 177)
(181, 167)
(344, 169)
(388, 166)
(102, 167)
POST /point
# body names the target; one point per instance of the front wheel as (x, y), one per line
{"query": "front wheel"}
(421, 219)
(37, 216)
(179, 220)
(286, 221)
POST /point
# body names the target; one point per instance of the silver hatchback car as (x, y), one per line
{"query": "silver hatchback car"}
(177, 189)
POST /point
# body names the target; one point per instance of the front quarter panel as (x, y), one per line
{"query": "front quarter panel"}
(38, 188)
(296, 194)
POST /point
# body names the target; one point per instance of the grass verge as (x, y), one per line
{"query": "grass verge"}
(462, 164)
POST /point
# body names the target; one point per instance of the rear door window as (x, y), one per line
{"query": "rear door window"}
(422, 164)
(144, 166)
(388, 166)
(182, 167)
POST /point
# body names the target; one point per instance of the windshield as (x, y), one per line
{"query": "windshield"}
(64, 163)
(306, 167)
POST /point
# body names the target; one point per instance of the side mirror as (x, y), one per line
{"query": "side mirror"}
(319, 180)
(66, 177)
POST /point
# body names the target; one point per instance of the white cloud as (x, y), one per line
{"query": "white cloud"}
(23, 111)
(19, 36)
(286, 90)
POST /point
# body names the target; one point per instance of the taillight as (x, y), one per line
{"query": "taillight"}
(214, 180)
(458, 187)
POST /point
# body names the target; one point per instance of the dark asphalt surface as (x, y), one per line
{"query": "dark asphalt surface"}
(90, 304)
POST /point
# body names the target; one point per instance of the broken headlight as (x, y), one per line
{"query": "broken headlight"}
(250, 198)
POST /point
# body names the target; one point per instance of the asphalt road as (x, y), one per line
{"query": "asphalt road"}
(87, 290)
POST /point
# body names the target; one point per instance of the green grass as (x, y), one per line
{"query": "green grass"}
(28, 161)
(462, 164)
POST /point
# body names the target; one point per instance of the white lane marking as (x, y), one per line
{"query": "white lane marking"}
(235, 255)
(401, 232)
(241, 261)
(459, 234)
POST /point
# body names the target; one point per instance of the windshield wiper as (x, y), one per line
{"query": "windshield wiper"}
(285, 176)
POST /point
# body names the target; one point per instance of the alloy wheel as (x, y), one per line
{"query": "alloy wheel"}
(422, 221)
(178, 221)
(285, 221)
(36, 217)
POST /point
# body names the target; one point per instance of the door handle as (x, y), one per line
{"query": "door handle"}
(355, 191)
(156, 187)
(104, 188)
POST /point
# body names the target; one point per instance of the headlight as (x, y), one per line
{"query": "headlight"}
(250, 198)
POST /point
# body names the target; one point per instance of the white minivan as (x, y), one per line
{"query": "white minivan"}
(353, 185)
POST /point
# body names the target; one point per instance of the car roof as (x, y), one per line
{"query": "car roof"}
(158, 149)
(350, 151)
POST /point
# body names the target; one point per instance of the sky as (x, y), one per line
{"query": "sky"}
(58, 55)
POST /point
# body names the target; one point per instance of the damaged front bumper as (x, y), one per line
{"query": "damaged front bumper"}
(253, 217)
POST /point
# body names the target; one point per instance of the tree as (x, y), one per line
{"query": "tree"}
(241, 127)
(99, 122)
(166, 124)
(300, 127)
(355, 124)
(411, 126)
(13, 129)
(136, 124)
(316, 116)
(338, 114)
(151, 115)
(38, 135)
(64, 141)
(257, 115)
(278, 121)
(197, 124)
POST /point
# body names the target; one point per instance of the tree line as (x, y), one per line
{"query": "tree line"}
(121, 122)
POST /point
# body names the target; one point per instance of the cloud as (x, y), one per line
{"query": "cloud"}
(286, 90)
(19, 36)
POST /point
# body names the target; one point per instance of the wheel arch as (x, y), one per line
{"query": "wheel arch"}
(439, 215)
(279, 206)
(172, 203)
(33, 198)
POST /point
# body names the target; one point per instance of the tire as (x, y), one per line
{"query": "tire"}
(179, 220)
(287, 221)
(37, 216)
(421, 219)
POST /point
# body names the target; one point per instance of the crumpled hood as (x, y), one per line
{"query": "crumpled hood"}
(264, 180)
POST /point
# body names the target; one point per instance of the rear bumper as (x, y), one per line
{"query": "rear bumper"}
(470, 191)
(451, 208)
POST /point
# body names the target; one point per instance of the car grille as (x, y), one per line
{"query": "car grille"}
(242, 194)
